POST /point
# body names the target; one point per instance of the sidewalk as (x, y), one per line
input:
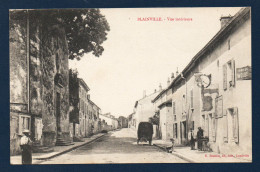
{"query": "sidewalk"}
(195, 156)
(58, 150)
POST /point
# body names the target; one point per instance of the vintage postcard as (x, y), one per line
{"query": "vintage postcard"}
(130, 85)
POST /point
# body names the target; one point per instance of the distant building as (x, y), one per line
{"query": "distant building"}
(132, 121)
(123, 121)
(144, 108)
(111, 121)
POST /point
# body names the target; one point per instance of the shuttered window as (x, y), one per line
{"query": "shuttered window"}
(224, 76)
(225, 126)
(191, 98)
(235, 125)
(173, 108)
(233, 70)
(175, 130)
(213, 129)
(24, 123)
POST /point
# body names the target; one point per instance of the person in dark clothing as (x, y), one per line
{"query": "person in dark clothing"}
(192, 140)
(26, 146)
(199, 137)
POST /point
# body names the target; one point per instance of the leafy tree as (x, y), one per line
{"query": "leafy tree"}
(155, 119)
(86, 29)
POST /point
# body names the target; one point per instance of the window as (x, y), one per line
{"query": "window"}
(24, 123)
(192, 125)
(229, 74)
(234, 116)
(175, 130)
(174, 111)
(224, 76)
(225, 127)
(173, 108)
(212, 130)
(191, 98)
(183, 104)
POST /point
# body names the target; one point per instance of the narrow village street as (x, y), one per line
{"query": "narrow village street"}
(116, 147)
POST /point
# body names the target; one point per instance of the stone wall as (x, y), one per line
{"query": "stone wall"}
(54, 61)
(18, 77)
(48, 57)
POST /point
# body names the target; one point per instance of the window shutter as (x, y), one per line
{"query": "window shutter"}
(235, 125)
(224, 76)
(213, 129)
(191, 98)
(233, 73)
(225, 126)
(173, 107)
(20, 131)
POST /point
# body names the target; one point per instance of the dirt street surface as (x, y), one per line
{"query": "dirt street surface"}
(116, 147)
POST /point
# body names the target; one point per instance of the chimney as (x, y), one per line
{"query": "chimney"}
(172, 77)
(88, 97)
(144, 94)
(224, 20)
(160, 87)
(168, 82)
(177, 72)
(155, 90)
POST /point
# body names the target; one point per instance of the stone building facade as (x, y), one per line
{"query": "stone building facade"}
(39, 78)
(144, 109)
(208, 92)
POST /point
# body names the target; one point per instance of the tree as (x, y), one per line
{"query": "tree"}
(85, 29)
(155, 120)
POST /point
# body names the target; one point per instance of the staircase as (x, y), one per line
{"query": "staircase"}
(61, 142)
(38, 148)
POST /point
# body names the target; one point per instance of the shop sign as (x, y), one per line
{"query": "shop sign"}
(244, 73)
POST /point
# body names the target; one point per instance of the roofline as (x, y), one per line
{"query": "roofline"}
(94, 104)
(229, 25)
(165, 102)
(158, 96)
(84, 84)
(145, 97)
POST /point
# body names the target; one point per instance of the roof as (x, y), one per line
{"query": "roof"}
(93, 103)
(136, 103)
(83, 84)
(220, 34)
(165, 103)
(159, 95)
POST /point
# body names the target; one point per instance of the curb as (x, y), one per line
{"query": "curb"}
(176, 154)
(68, 150)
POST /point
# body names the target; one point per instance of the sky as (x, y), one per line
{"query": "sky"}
(139, 55)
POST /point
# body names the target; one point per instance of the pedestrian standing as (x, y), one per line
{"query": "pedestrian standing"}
(192, 140)
(199, 137)
(26, 146)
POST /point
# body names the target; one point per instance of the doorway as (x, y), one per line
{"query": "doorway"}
(58, 112)
(183, 132)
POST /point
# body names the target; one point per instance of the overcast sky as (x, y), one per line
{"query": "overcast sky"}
(139, 55)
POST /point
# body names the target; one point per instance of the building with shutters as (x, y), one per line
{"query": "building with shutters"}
(214, 90)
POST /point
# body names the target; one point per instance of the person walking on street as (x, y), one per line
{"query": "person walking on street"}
(26, 146)
(192, 140)
(199, 137)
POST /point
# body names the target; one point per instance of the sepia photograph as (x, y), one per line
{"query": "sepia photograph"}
(130, 85)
